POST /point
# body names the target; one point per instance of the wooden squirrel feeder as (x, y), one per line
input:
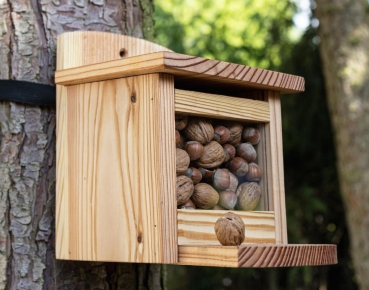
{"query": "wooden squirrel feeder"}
(116, 101)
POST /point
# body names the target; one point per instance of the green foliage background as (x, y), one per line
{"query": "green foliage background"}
(261, 33)
(234, 31)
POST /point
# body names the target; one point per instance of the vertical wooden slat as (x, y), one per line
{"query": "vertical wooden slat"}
(61, 216)
(275, 174)
(168, 171)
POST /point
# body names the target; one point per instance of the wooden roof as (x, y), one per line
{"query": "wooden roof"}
(189, 71)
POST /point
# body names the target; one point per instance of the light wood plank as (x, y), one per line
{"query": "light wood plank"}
(221, 107)
(258, 256)
(62, 200)
(209, 255)
(120, 172)
(197, 227)
(80, 48)
(275, 173)
(185, 67)
(167, 168)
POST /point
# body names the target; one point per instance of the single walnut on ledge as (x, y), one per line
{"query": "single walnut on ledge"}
(230, 229)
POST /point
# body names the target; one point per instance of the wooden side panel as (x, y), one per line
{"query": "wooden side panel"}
(258, 256)
(62, 183)
(197, 227)
(80, 48)
(221, 107)
(275, 173)
(120, 160)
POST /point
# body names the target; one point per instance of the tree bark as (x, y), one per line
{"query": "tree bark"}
(28, 31)
(344, 33)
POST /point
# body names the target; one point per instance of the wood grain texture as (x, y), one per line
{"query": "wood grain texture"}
(197, 227)
(187, 68)
(62, 183)
(120, 179)
(221, 107)
(208, 255)
(258, 256)
(100, 47)
(274, 166)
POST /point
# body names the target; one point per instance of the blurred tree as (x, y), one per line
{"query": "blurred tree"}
(344, 34)
(314, 207)
(28, 32)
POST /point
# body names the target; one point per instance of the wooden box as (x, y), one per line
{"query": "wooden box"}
(116, 101)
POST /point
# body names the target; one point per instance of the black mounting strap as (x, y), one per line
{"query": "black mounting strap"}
(27, 93)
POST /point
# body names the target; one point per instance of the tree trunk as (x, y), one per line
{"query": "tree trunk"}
(28, 31)
(344, 33)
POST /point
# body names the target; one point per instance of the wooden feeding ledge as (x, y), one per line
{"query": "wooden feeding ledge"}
(117, 98)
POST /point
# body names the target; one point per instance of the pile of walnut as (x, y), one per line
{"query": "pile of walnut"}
(215, 164)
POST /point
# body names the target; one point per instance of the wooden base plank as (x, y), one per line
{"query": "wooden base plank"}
(258, 256)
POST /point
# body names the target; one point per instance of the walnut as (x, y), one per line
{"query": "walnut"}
(230, 229)
(213, 155)
(204, 196)
(248, 195)
(182, 161)
(200, 130)
(184, 189)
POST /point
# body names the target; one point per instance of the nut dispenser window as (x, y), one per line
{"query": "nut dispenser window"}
(221, 154)
(146, 179)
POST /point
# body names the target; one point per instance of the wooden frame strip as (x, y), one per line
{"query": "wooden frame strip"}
(221, 107)
(274, 160)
